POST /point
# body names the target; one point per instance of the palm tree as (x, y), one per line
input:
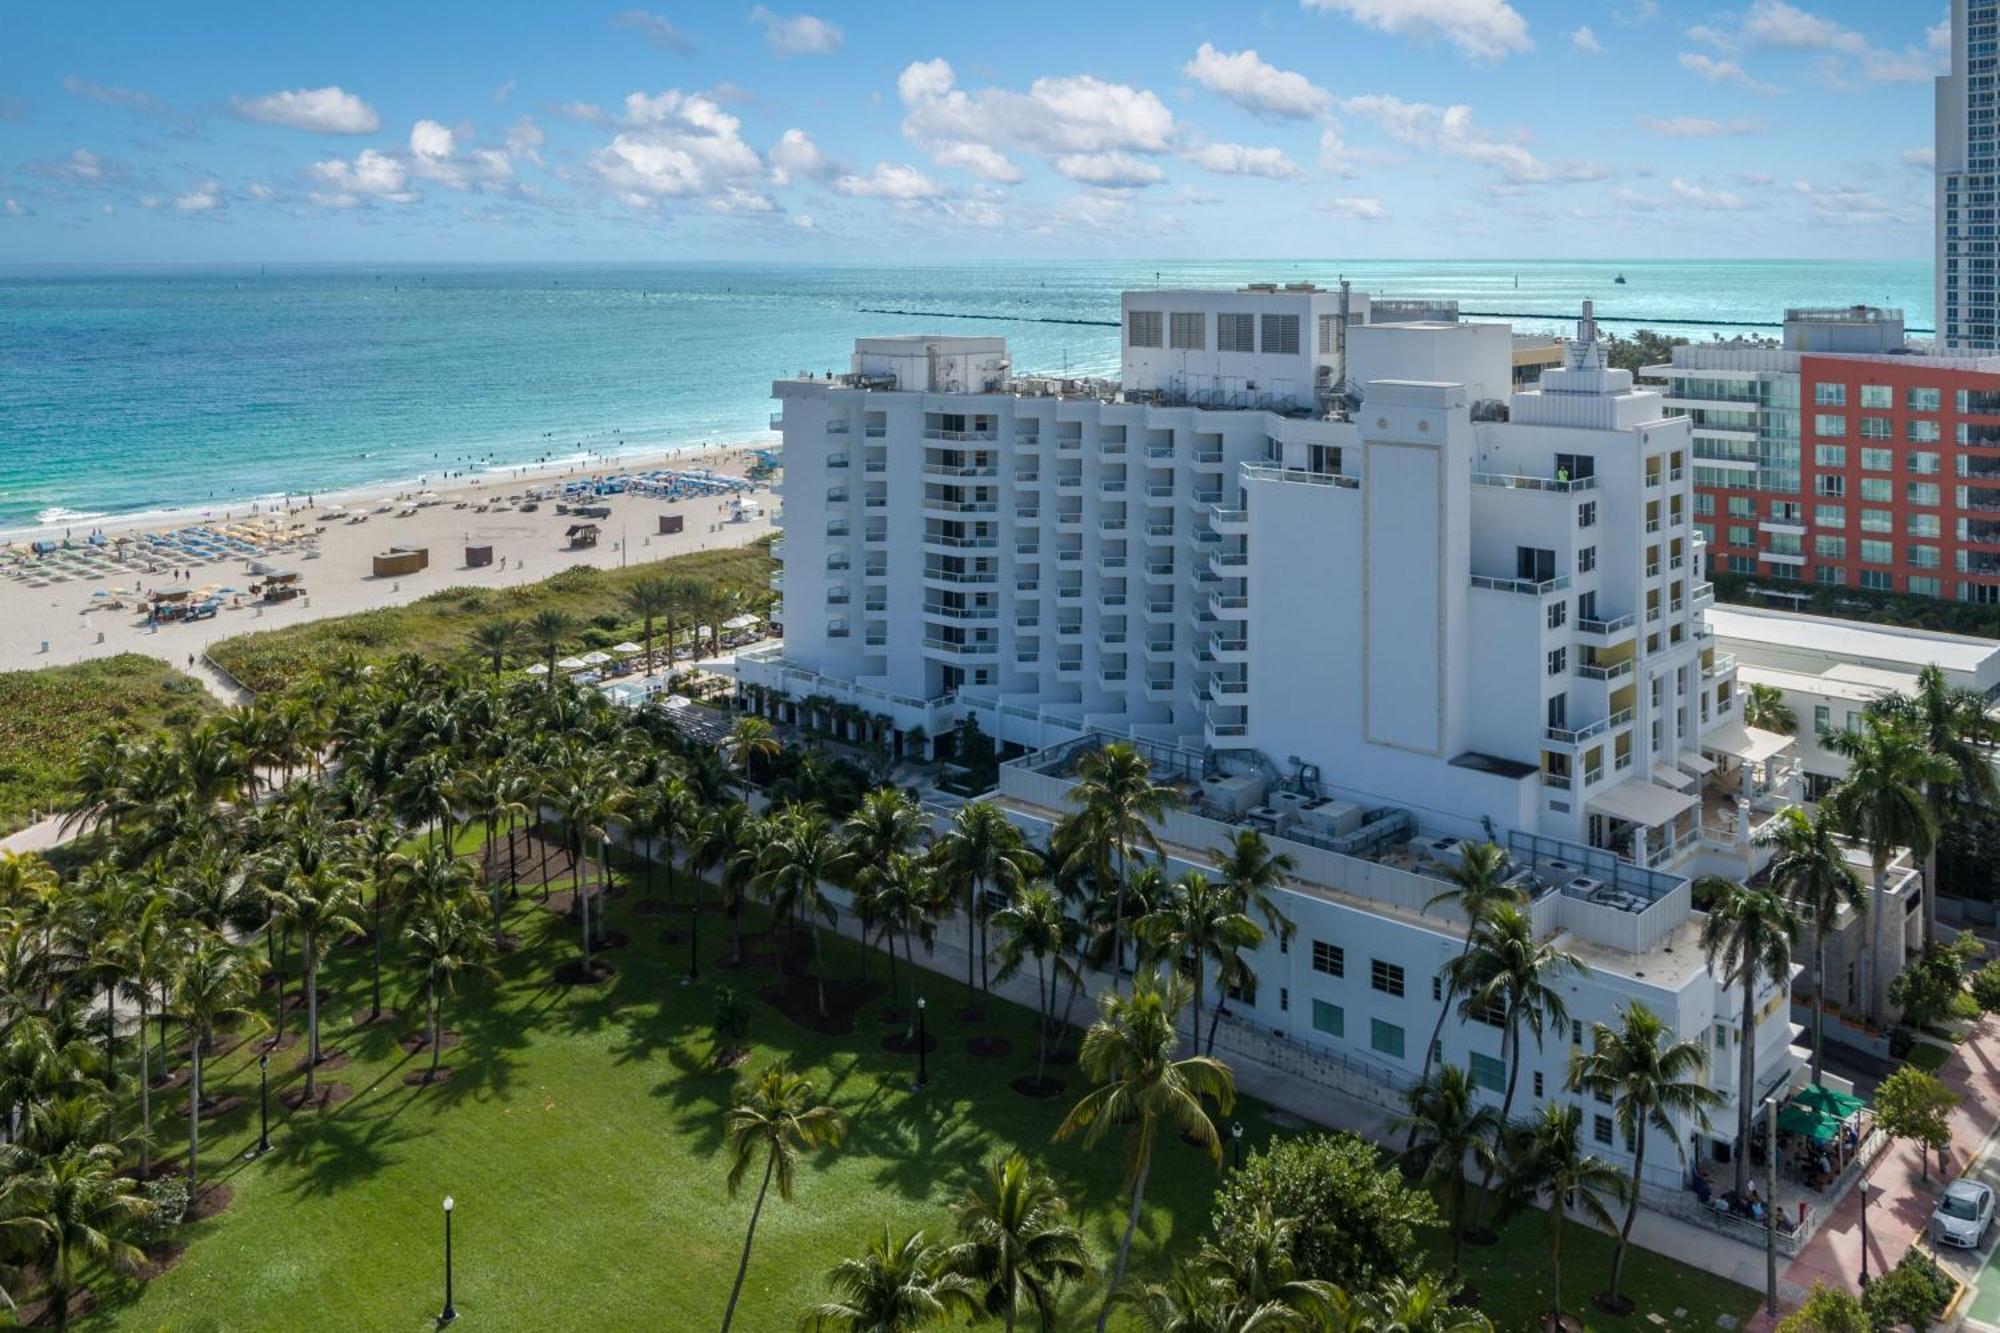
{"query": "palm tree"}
(724, 841)
(749, 745)
(1881, 804)
(1018, 1244)
(803, 855)
(321, 906)
(1476, 890)
(1764, 707)
(1655, 1082)
(77, 1211)
(1548, 1164)
(1748, 939)
(886, 826)
(1034, 925)
(1253, 874)
(647, 599)
(1198, 924)
(155, 943)
(443, 941)
(1449, 1126)
(1954, 726)
(982, 849)
(1810, 868)
(1402, 1305)
(1253, 1268)
(494, 639)
(1142, 1088)
(899, 1286)
(1120, 803)
(214, 985)
(777, 1115)
(548, 630)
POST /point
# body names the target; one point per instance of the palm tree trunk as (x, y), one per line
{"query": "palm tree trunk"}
(1131, 1224)
(1437, 1032)
(1044, 1012)
(1746, 1075)
(1194, 1021)
(1510, 1049)
(194, 1116)
(1819, 996)
(1632, 1212)
(312, 1014)
(736, 930)
(375, 984)
(583, 907)
(437, 1031)
(1556, 1253)
(1930, 895)
(743, 1264)
(145, 1097)
(971, 938)
(1457, 1222)
(603, 879)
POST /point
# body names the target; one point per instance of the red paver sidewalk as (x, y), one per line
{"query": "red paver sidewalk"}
(1902, 1200)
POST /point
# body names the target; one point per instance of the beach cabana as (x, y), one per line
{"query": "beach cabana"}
(582, 535)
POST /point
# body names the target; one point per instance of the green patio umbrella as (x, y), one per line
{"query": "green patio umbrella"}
(1797, 1119)
(1817, 1097)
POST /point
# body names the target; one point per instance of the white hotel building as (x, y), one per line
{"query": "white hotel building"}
(1345, 585)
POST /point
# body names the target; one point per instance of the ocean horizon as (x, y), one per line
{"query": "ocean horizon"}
(129, 389)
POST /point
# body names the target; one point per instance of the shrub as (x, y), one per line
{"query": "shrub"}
(1926, 990)
(1358, 1219)
(1827, 1310)
(1914, 1292)
(167, 1200)
(1986, 987)
(732, 1016)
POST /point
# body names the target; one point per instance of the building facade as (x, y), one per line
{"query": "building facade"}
(1967, 122)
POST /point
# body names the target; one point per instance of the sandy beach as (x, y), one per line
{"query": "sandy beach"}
(527, 547)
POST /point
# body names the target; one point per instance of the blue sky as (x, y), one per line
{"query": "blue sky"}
(510, 130)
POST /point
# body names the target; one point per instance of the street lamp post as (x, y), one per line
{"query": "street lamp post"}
(1863, 1185)
(694, 934)
(923, 1068)
(264, 1103)
(1236, 1135)
(450, 1311)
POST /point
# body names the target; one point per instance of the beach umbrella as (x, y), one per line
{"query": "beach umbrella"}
(627, 647)
(538, 670)
(572, 664)
(1826, 1101)
(741, 622)
(596, 658)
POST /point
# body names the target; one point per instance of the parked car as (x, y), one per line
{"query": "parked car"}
(1963, 1214)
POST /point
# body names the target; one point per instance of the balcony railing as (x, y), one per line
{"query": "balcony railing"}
(1597, 671)
(1509, 482)
(1529, 587)
(1590, 731)
(1605, 628)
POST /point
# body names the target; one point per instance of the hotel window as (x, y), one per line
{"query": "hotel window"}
(1829, 423)
(1878, 460)
(1538, 1082)
(1822, 719)
(1923, 400)
(1600, 1128)
(1879, 490)
(1742, 506)
(1877, 428)
(1877, 580)
(1488, 1072)
(1329, 326)
(1586, 514)
(1922, 462)
(1586, 559)
(1832, 574)
(1877, 396)
(1704, 504)
(1329, 958)
(1925, 493)
(1385, 977)
(1831, 486)
(1923, 525)
(1925, 587)
(1558, 614)
(1437, 989)
(1878, 553)
(1329, 1018)
(1188, 331)
(1829, 395)
(1878, 520)
(1235, 333)
(1385, 1038)
(1143, 328)
(1281, 334)
(1830, 548)
(1558, 661)
(1830, 516)
(1739, 535)
(1830, 455)
(1284, 999)
(1922, 557)
(1923, 432)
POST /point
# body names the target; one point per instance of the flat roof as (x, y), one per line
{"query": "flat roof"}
(1830, 684)
(1848, 640)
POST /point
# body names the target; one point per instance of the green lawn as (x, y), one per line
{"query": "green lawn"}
(50, 713)
(581, 1139)
(438, 625)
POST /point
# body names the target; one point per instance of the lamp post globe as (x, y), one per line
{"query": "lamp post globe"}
(923, 1064)
(1236, 1137)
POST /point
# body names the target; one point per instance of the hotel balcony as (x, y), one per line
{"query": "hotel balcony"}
(1558, 485)
(1228, 607)
(1160, 649)
(1223, 723)
(1598, 671)
(1526, 587)
(959, 648)
(1590, 731)
(938, 541)
(1229, 648)
(1161, 611)
(1619, 629)
(1229, 522)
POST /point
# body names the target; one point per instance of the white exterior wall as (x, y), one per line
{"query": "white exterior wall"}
(1263, 378)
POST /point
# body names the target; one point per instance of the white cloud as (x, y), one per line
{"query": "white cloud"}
(1584, 40)
(1110, 171)
(371, 177)
(503, 92)
(329, 110)
(1713, 70)
(655, 29)
(14, 208)
(258, 192)
(582, 113)
(1479, 30)
(803, 221)
(795, 154)
(1450, 132)
(1244, 78)
(1358, 208)
(798, 34)
(81, 167)
(1778, 25)
(1697, 127)
(1920, 159)
(430, 139)
(889, 180)
(205, 197)
(1235, 159)
(525, 139)
(1702, 196)
(434, 156)
(1075, 116)
(678, 145)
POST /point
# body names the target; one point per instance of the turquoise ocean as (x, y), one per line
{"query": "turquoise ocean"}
(130, 391)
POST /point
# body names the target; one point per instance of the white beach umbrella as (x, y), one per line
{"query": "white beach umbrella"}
(572, 664)
(538, 670)
(627, 647)
(596, 658)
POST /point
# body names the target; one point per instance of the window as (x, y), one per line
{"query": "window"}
(1822, 719)
(1235, 333)
(1386, 1038)
(1558, 614)
(1829, 423)
(1329, 1018)
(1830, 548)
(1704, 503)
(1925, 587)
(1878, 580)
(1586, 559)
(1877, 396)
(1586, 514)
(1830, 485)
(1922, 462)
(1281, 334)
(1600, 1128)
(1188, 331)
(1437, 989)
(1878, 553)
(1921, 557)
(1143, 328)
(1329, 331)
(1829, 516)
(1538, 1082)
(1923, 525)
(1830, 455)
(1880, 490)
(1877, 428)
(1878, 460)
(1488, 1072)
(1923, 400)
(1829, 395)
(1329, 958)
(1924, 493)
(1558, 661)
(1923, 432)
(1741, 506)
(1284, 999)
(1878, 520)
(1739, 534)
(1385, 977)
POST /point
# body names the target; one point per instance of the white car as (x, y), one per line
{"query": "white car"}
(1963, 1214)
